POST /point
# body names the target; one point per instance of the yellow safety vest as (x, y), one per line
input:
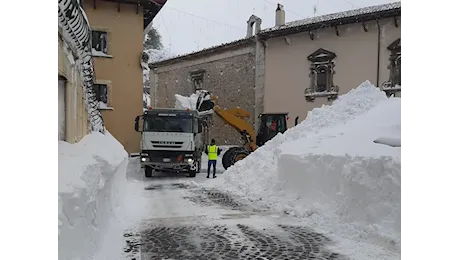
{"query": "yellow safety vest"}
(212, 152)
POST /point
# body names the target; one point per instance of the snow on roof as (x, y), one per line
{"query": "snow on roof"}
(336, 16)
(309, 21)
(202, 51)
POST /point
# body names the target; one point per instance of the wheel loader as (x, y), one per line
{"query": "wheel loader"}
(270, 124)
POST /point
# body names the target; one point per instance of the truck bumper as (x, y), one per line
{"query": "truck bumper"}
(168, 166)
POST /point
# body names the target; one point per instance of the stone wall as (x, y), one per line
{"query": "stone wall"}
(230, 76)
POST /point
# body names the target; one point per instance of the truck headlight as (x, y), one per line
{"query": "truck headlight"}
(190, 160)
(143, 159)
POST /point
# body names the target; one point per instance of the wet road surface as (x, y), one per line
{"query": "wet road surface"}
(192, 222)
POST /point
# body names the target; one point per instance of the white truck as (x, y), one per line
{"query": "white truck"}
(172, 140)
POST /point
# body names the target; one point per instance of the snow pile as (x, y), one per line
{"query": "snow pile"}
(131, 209)
(190, 102)
(158, 55)
(329, 170)
(90, 188)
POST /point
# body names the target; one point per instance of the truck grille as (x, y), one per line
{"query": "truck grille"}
(167, 144)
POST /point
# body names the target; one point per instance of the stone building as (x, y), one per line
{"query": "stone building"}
(292, 67)
(227, 71)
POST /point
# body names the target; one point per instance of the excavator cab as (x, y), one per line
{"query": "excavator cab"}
(270, 124)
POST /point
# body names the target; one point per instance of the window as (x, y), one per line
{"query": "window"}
(197, 78)
(321, 76)
(100, 42)
(168, 124)
(275, 123)
(101, 94)
(393, 84)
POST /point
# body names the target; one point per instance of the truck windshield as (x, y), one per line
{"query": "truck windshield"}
(168, 124)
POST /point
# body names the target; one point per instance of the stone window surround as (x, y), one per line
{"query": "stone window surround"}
(393, 84)
(197, 78)
(318, 60)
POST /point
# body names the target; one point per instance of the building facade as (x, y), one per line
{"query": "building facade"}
(117, 43)
(73, 115)
(308, 63)
(77, 113)
(226, 71)
(289, 68)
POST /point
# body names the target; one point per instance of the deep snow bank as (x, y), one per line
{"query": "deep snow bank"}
(329, 169)
(90, 189)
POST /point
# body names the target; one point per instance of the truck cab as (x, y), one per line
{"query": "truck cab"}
(171, 140)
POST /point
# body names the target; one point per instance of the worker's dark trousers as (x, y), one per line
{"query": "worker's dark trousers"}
(213, 163)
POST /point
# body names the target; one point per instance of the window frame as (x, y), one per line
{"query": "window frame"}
(321, 61)
(197, 75)
(393, 84)
(94, 51)
(108, 84)
(97, 89)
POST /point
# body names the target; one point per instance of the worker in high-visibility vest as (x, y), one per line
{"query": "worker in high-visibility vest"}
(213, 151)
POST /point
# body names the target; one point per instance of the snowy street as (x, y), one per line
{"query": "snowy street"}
(302, 126)
(329, 188)
(187, 221)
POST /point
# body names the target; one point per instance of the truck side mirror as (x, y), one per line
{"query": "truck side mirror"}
(136, 124)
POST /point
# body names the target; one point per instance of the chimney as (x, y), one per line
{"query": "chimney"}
(253, 20)
(280, 17)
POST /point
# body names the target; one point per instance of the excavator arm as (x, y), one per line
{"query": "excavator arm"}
(235, 117)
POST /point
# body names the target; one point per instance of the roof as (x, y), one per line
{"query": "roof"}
(352, 16)
(150, 7)
(192, 55)
(314, 23)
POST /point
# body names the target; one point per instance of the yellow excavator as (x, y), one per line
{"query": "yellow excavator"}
(270, 124)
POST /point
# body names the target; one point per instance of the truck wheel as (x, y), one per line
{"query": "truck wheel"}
(148, 171)
(192, 174)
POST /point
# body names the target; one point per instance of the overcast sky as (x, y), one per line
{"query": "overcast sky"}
(191, 25)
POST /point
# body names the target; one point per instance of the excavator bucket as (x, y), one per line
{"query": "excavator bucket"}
(204, 102)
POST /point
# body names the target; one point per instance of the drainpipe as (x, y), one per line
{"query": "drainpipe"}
(153, 102)
(378, 52)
